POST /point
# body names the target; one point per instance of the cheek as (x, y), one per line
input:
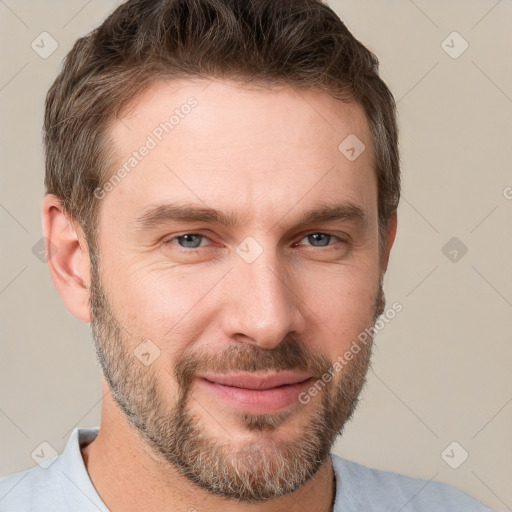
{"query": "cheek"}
(164, 305)
(343, 302)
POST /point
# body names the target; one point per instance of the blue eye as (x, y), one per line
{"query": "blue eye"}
(321, 239)
(189, 240)
(318, 239)
(195, 240)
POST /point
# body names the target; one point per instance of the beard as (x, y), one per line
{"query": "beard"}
(256, 467)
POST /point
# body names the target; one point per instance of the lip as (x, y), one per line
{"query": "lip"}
(257, 392)
(257, 380)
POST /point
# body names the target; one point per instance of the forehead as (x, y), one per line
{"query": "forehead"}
(239, 113)
(219, 144)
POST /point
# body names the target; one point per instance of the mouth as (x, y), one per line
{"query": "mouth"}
(257, 392)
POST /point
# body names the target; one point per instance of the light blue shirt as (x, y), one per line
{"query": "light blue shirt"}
(65, 486)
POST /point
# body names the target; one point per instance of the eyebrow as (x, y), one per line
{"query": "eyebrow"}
(158, 215)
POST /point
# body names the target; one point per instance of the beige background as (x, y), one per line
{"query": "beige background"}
(442, 367)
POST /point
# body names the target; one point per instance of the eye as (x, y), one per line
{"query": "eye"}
(188, 240)
(197, 240)
(321, 239)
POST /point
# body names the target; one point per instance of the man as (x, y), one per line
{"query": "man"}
(222, 186)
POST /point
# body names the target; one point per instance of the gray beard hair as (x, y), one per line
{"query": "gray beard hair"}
(253, 471)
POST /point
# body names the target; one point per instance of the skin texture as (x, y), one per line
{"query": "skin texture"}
(267, 156)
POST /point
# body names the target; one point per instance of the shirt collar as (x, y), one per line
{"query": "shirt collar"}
(76, 483)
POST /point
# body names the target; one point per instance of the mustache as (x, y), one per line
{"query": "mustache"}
(290, 354)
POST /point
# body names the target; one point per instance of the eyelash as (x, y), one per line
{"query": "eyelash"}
(194, 249)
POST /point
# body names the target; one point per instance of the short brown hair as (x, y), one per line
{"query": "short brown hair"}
(301, 43)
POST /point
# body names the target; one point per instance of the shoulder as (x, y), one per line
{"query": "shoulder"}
(362, 487)
(58, 483)
(32, 489)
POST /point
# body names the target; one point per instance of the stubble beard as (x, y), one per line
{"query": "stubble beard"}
(253, 470)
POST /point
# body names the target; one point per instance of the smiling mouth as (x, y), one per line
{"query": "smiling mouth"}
(257, 393)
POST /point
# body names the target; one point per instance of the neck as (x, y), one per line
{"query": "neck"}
(128, 477)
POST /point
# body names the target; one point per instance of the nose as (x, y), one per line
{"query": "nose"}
(262, 303)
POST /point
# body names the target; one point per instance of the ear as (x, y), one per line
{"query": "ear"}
(390, 239)
(67, 255)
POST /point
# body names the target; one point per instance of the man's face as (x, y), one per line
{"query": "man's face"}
(179, 304)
